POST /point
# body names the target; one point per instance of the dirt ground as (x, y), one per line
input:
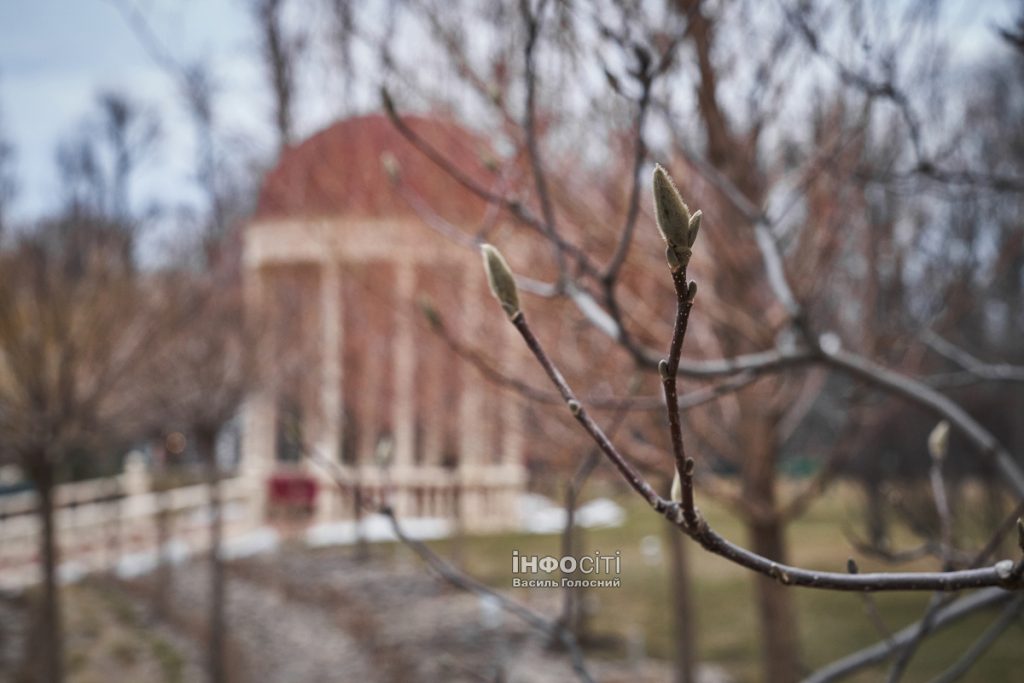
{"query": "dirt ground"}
(303, 616)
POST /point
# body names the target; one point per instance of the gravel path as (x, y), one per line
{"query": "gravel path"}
(319, 616)
(273, 638)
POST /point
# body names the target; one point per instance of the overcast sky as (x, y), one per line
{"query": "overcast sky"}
(56, 54)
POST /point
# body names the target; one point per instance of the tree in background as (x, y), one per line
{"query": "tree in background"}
(788, 202)
(75, 325)
(197, 382)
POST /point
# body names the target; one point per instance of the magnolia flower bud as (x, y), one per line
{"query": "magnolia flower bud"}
(938, 441)
(694, 227)
(501, 280)
(677, 489)
(672, 215)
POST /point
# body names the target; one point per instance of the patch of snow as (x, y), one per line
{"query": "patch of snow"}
(600, 512)
(263, 540)
(375, 528)
(136, 564)
(71, 572)
(541, 515)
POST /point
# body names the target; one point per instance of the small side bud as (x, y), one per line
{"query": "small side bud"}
(830, 343)
(431, 314)
(938, 441)
(391, 167)
(677, 489)
(851, 566)
(501, 280)
(489, 162)
(663, 369)
(694, 227)
(1004, 569)
(689, 465)
(674, 264)
(574, 407)
(691, 291)
(670, 211)
(1020, 533)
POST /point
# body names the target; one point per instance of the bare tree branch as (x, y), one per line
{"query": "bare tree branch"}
(879, 652)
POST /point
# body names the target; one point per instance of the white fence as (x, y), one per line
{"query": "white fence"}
(114, 525)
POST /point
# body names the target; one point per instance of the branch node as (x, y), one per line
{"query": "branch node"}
(663, 370)
(574, 407)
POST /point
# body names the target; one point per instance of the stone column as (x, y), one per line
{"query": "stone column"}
(434, 411)
(513, 437)
(259, 417)
(403, 361)
(472, 413)
(329, 438)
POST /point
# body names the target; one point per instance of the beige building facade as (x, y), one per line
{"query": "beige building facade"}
(341, 259)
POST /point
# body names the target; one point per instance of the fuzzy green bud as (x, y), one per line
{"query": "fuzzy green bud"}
(671, 212)
(501, 280)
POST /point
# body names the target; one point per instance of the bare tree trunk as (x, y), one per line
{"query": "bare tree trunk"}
(775, 609)
(51, 654)
(684, 645)
(206, 442)
(878, 532)
(573, 617)
(780, 644)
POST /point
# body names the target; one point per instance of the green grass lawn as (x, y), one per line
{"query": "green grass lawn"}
(831, 624)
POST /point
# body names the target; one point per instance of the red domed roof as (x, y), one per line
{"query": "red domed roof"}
(340, 171)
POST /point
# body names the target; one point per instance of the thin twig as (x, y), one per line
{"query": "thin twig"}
(463, 581)
(979, 647)
(618, 258)
(1004, 574)
(993, 372)
(684, 465)
(879, 652)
